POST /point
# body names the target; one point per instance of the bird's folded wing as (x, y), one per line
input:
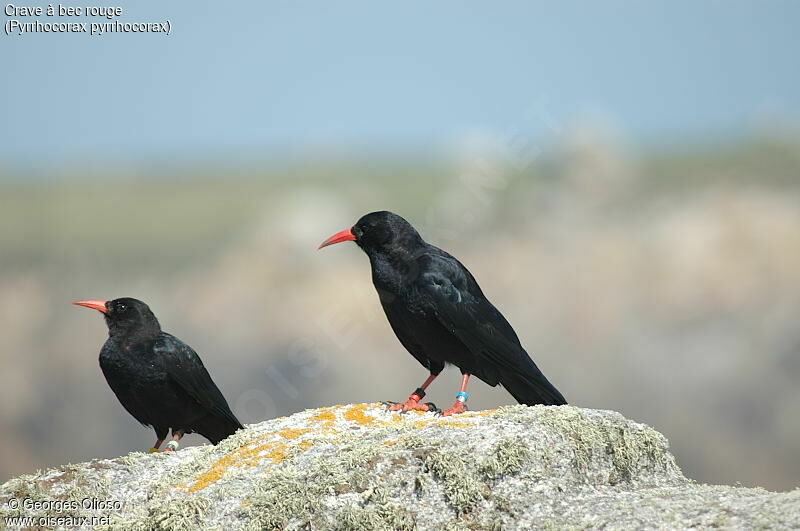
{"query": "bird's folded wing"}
(474, 320)
(186, 369)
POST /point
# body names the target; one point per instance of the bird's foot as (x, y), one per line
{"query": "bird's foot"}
(458, 407)
(411, 405)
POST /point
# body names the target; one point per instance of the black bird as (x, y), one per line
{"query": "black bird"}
(440, 315)
(158, 378)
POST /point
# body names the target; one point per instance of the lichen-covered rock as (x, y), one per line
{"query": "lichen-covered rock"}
(361, 467)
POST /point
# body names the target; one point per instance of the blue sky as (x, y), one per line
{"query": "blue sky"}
(284, 77)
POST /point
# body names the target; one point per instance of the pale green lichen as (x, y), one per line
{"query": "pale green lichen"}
(462, 488)
(289, 495)
(377, 510)
(386, 516)
(629, 446)
(69, 483)
(27, 486)
(507, 457)
(474, 522)
(281, 497)
(86, 484)
(178, 514)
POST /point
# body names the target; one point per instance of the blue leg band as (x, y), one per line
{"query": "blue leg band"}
(462, 397)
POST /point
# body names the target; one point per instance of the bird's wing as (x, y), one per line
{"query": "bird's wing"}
(186, 369)
(451, 294)
(461, 308)
(121, 384)
(403, 323)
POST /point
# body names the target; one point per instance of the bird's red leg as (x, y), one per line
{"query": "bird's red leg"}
(461, 399)
(173, 444)
(413, 401)
(156, 446)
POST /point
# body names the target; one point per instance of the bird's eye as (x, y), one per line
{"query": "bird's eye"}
(121, 308)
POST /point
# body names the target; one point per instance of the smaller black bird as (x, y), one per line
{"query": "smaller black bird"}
(158, 378)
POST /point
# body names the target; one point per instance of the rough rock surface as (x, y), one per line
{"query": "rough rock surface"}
(361, 467)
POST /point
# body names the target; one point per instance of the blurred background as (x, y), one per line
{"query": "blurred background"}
(622, 178)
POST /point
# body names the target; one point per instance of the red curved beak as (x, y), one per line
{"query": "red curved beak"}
(100, 306)
(344, 236)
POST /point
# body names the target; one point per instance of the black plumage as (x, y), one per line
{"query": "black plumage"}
(158, 378)
(440, 315)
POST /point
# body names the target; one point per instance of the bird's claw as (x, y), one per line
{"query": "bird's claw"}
(410, 405)
(458, 407)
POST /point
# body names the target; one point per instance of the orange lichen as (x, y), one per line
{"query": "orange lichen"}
(247, 456)
(326, 416)
(480, 413)
(455, 424)
(277, 454)
(293, 433)
(356, 414)
(305, 445)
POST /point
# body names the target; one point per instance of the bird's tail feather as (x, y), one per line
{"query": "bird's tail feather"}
(216, 428)
(529, 386)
